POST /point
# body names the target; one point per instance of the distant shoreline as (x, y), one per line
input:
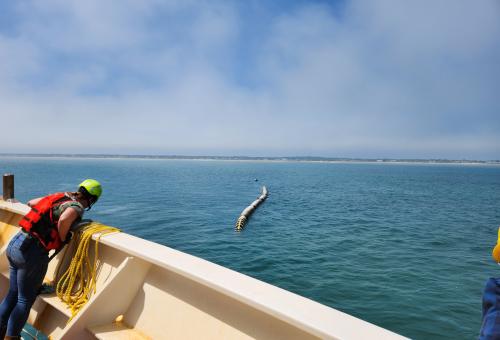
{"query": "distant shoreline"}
(256, 158)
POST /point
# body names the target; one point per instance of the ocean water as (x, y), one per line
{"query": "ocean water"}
(404, 246)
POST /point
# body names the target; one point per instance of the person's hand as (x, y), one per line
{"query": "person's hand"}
(69, 236)
(47, 288)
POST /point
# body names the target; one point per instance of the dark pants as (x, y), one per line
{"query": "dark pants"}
(490, 329)
(28, 266)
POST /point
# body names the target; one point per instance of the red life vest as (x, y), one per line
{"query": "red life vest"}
(40, 223)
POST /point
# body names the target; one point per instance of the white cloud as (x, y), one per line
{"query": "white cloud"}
(375, 80)
(84, 26)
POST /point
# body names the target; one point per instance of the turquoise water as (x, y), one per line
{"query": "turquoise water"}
(406, 247)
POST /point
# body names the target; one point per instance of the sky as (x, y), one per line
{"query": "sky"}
(359, 79)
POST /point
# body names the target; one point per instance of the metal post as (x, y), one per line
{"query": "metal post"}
(8, 187)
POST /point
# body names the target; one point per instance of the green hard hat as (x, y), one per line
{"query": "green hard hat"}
(92, 187)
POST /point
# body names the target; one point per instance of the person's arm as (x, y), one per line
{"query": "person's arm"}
(65, 221)
(34, 201)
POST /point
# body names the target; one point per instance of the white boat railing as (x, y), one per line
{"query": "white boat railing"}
(150, 291)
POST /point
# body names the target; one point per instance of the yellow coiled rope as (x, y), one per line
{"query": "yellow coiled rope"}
(78, 283)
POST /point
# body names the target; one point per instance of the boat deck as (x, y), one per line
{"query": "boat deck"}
(156, 292)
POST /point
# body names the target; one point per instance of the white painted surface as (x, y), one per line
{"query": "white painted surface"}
(272, 302)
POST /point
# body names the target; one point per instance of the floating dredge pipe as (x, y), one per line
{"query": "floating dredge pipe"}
(245, 214)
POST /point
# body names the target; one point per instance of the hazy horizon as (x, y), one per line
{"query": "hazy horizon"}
(235, 156)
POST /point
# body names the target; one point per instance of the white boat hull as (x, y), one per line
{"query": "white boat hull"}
(162, 293)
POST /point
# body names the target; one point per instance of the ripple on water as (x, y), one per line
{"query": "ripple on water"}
(406, 247)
